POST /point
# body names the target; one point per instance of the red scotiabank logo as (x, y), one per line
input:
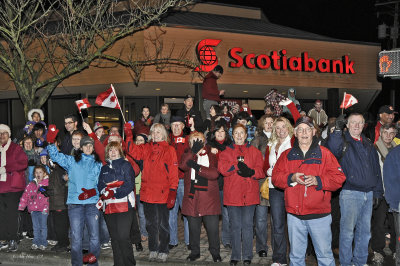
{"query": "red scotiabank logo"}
(207, 55)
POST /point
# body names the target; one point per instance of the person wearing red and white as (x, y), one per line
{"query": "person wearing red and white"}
(308, 173)
(158, 188)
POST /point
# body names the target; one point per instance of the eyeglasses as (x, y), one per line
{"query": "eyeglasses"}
(304, 130)
(3, 133)
(69, 123)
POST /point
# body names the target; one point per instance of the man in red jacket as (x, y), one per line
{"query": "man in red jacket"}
(308, 173)
(209, 92)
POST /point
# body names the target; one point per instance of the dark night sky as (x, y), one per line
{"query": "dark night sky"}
(343, 19)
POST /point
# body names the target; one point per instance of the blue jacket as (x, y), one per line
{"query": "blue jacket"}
(118, 170)
(391, 178)
(82, 174)
(360, 162)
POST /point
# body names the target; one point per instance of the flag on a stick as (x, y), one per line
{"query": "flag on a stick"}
(108, 99)
(82, 104)
(348, 100)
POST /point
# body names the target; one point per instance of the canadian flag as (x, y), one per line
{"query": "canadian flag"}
(348, 100)
(108, 99)
(82, 104)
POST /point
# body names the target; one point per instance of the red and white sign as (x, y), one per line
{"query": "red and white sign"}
(207, 55)
(108, 99)
(348, 100)
(82, 104)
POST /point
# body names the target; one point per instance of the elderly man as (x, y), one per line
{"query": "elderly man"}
(380, 213)
(180, 142)
(308, 173)
(363, 186)
(391, 177)
(13, 162)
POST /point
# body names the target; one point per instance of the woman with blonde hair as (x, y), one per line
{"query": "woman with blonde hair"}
(158, 188)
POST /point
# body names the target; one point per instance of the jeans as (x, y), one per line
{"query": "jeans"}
(39, 221)
(241, 222)
(142, 219)
(225, 228)
(320, 232)
(157, 226)
(207, 105)
(103, 230)
(355, 224)
(79, 215)
(173, 217)
(119, 226)
(261, 222)
(396, 217)
(278, 220)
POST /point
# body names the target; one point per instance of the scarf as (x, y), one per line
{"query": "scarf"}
(198, 182)
(382, 149)
(3, 151)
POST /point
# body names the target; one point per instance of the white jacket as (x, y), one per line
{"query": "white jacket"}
(273, 156)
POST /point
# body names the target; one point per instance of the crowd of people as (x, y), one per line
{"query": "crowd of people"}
(331, 185)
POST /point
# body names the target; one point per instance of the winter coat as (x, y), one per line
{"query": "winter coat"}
(180, 144)
(58, 189)
(238, 190)
(163, 119)
(319, 162)
(142, 126)
(160, 170)
(320, 118)
(360, 162)
(203, 202)
(16, 164)
(82, 174)
(33, 199)
(213, 143)
(198, 121)
(119, 170)
(261, 142)
(391, 178)
(209, 90)
(33, 160)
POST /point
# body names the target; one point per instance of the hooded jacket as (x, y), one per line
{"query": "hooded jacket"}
(82, 174)
(319, 162)
(33, 199)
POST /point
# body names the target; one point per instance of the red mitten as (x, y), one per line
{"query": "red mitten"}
(108, 194)
(171, 198)
(115, 184)
(87, 194)
(52, 133)
(89, 259)
(128, 130)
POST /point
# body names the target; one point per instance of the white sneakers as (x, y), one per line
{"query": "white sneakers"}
(162, 257)
(153, 255)
(34, 247)
(278, 264)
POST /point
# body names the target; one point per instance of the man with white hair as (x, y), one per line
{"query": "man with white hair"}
(13, 162)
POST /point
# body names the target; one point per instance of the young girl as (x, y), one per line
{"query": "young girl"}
(35, 197)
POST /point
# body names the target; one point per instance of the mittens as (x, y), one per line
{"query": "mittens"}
(43, 190)
(171, 198)
(244, 170)
(193, 164)
(128, 130)
(87, 194)
(52, 133)
(197, 146)
(108, 194)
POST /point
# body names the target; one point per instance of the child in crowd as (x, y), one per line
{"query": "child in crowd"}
(35, 197)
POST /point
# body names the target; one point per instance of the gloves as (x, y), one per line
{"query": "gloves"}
(87, 194)
(52, 133)
(197, 146)
(128, 130)
(108, 194)
(193, 164)
(31, 162)
(376, 202)
(244, 170)
(340, 122)
(171, 198)
(44, 190)
(89, 259)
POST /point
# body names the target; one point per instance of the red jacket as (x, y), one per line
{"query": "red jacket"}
(209, 89)
(238, 190)
(180, 144)
(143, 126)
(319, 162)
(203, 202)
(17, 162)
(160, 170)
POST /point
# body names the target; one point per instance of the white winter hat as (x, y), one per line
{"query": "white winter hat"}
(6, 128)
(39, 111)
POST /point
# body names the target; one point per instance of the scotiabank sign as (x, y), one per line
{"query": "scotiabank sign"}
(275, 60)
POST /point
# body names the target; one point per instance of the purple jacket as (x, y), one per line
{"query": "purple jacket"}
(33, 199)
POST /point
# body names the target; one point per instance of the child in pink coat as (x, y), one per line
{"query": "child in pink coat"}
(35, 197)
